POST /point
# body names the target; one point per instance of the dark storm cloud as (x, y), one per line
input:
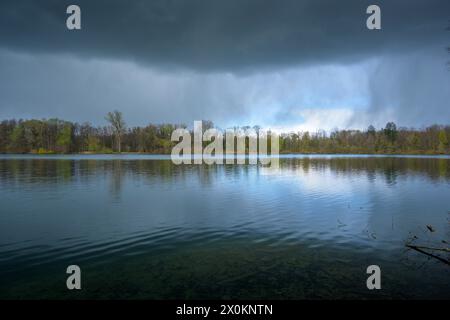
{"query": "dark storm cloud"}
(223, 35)
(283, 63)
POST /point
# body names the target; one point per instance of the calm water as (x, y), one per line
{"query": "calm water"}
(140, 227)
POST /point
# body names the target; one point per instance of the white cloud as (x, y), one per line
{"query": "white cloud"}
(324, 119)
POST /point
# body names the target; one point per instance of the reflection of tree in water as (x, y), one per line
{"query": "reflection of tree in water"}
(208, 175)
(371, 175)
(391, 168)
(65, 169)
(390, 174)
(20, 172)
(163, 170)
(117, 175)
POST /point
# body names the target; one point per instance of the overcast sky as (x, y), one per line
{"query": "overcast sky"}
(295, 65)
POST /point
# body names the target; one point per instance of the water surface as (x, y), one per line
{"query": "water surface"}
(141, 227)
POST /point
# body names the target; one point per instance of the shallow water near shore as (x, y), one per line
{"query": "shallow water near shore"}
(141, 227)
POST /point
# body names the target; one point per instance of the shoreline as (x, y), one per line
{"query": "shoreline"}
(168, 155)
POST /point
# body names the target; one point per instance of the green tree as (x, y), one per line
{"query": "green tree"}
(443, 141)
(64, 138)
(371, 130)
(18, 141)
(93, 143)
(391, 131)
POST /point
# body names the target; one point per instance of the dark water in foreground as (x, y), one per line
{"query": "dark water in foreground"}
(140, 227)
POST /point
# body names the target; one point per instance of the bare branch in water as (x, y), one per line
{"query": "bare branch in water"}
(421, 250)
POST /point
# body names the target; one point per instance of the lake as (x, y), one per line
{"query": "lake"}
(141, 227)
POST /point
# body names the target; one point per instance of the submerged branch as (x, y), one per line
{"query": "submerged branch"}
(421, 250)
(429, 248)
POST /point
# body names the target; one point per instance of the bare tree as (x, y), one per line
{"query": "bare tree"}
(118, 126)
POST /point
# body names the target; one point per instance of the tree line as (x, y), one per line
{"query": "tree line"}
(388, 140)
(48, 136)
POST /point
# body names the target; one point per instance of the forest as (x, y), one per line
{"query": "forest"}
(48, 136)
